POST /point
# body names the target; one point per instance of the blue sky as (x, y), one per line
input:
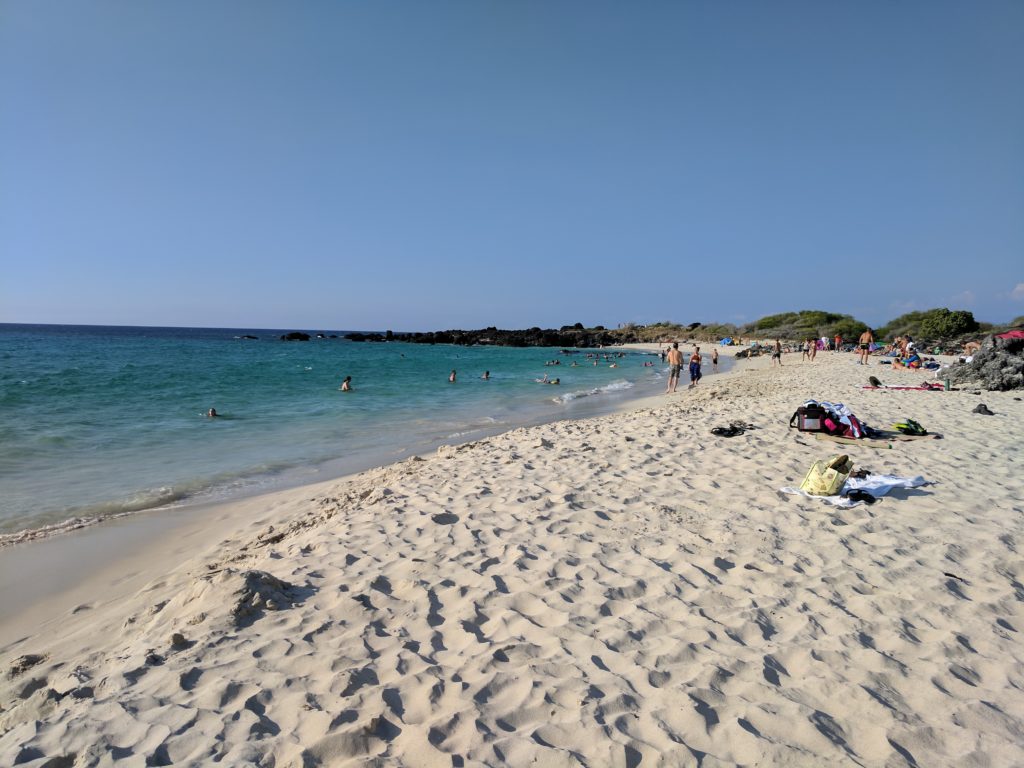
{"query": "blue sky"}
(425, 165)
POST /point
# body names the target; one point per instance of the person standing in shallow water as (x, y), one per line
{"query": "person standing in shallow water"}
(675, 365)
(346, 384)
(451, 376)
(714, 359)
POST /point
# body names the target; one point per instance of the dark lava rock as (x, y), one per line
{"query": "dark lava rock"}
(568, 336)
(997, 366)
(295, 336)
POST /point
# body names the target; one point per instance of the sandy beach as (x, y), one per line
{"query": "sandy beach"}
(619, 591)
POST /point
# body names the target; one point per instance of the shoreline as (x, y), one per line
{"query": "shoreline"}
(43, 575)
(161, 496)
(553, 580)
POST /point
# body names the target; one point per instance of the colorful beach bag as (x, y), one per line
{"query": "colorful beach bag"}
(809, 417)
(826, 478)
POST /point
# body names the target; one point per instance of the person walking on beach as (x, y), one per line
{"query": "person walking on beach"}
(714, 359)
(864, 346)
(777, 352)
(806, 349)
(839, 342)
(451, 376)
(675, 365)
(695, 373)
(346, 384)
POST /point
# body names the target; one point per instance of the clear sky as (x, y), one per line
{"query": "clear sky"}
(425, 165)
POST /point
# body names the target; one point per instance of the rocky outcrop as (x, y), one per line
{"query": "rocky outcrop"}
(295, 336)
(997, 366)
(567, 336)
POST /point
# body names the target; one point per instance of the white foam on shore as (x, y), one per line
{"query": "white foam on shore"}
(616, 386)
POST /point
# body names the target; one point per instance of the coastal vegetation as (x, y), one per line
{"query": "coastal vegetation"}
(938, 323)
(933, 325)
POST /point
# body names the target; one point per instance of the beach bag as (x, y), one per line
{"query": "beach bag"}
(831, 425)
(826, 478)
(854, 428)
(808, 418)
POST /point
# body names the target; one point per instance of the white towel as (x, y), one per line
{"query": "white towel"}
(876, 485)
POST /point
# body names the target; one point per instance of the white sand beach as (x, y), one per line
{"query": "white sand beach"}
(621, 591)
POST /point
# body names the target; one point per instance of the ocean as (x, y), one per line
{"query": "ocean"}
(98, 422)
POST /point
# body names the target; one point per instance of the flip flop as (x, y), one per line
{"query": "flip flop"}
(729, 431)
(858, 495)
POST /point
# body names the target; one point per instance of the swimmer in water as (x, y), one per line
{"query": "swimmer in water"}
(212, 413)
(451, 376)
(486, 376)
(346, 384)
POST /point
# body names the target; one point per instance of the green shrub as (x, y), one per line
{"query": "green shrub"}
(938, 323)
(807, 323)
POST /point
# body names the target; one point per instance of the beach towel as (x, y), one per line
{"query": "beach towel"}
(879, 438)
(928, 386)
(876, 485)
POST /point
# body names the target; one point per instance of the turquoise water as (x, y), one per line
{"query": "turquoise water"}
(97, 421)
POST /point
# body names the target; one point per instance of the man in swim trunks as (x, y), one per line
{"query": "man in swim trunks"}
(675, 365)
(695, 367)
(714, 359)
(777, 352)
(864, 346)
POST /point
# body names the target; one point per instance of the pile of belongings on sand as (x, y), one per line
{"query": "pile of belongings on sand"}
(830, 418)
(836, 482)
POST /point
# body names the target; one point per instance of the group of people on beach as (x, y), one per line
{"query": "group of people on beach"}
(674, 358)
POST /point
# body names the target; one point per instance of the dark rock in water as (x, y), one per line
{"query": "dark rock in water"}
(997, 366)
(567, 337)
(333, 336)
(295, 336)
(321, 336)
(364, 337)
(248, 336)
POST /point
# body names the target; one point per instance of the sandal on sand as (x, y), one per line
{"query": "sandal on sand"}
(858, 495)
(730, 431)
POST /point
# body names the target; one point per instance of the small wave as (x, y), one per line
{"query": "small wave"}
(615, 386)
(98, 513)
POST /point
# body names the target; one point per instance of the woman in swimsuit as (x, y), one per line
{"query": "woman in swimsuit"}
(695, 367)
